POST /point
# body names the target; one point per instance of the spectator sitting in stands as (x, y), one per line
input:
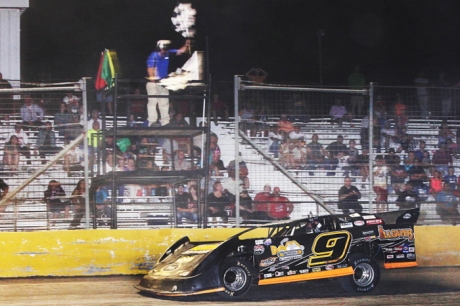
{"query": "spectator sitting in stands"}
(408, 198)
(447, 205)
(436, 182)
(317, 156)
(182, 206)
(348, 198)
(279, 207)
(450, 178)
(444, 133)
(53, 196)
(398, 175)
(442, 159)
(170, 147)
(299, 154)
(218, 202)
(418, 178)
(419, 153)
(285, 154)
(23, 141)
(297, 133)
(94, 117)
(285, 125)
(247, 118)
(406, 141)
(246, 208)
(71, 103)
(215, 162)
(78, 201)
(219, 108)
(31, 114)
(336, 150)
(339, 113)
(180, 163)
(178, 121)
(274, 140)
(380, 111)
(11, 154)
(391, 158)
(46, 142)
(261, 203)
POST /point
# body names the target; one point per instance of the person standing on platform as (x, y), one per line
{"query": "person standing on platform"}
(157, 69)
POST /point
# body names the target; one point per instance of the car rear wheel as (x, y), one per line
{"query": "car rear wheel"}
(365, 277)
(236, 277)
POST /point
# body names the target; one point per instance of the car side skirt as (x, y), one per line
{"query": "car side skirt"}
(309, 276)
(397, 265)
(164, 293)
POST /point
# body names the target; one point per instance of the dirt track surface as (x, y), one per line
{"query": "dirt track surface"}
(416, 286)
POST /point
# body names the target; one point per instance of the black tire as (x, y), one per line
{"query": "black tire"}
(366, 274)
(236, 277)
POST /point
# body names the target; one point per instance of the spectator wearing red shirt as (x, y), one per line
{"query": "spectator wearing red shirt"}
(279, 207)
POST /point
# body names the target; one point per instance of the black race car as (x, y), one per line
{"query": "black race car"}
(333, 246)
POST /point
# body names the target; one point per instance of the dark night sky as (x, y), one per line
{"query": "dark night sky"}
(391, 40)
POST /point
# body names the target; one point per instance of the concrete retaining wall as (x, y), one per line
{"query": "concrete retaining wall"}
(114, 252)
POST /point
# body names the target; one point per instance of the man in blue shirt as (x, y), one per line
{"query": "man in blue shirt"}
(157, 69)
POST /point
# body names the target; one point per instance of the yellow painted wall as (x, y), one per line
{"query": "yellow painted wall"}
(112, 252)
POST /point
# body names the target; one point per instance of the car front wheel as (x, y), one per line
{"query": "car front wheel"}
(365, 277)
(236, 277)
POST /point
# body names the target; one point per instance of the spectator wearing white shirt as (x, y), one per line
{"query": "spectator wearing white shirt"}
(23, 141)
(297, 134)
(71, 103)
(31, 114)
(339, 113)
(94, 117)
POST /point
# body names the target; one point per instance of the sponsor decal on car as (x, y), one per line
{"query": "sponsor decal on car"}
(346, 225)
(279, 273)
(267, 262)
(398, 248)
(259, 249)
(316, 269)
(268, 275)
(400, 256)
(388, 250)
(329, 267)
(355, 215)
(396, 233)
(366, 233)
(170, 267)
(290, 272)
(390, 256)
(412, 249)
(259, 241)
(303, 271)
(405, 248)
(410, 256)
(407, 216)
(268, 242)
(374, 222)
(368, 217)
(342, 266)
(288, 250)
(359, 223)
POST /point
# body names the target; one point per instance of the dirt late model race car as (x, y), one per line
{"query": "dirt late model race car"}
(333, 246)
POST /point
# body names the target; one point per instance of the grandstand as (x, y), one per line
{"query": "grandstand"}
(318, 194)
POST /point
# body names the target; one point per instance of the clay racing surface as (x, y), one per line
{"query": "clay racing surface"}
(414, 286)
